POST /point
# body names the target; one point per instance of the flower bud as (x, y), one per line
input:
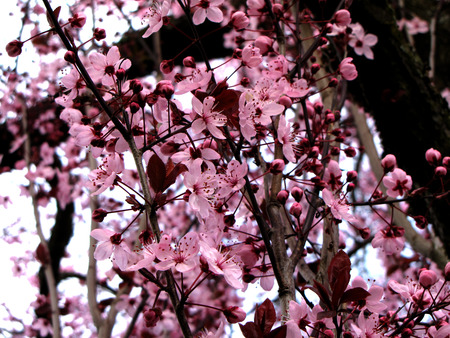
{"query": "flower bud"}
(342, 18)
(14, 48)
(446, 161)
(282, 196)
(421, 222)
(277, 167)
(77, 21)
(389, 162)
(351, 175)
(239, 21)
(333, 82)
(427, 278)
(167, 66)
(70, 56)
(164, 88)
(152, 317)
(329, 118)
(440, 171)
(350, 187)
(136, 86)
(364, 233)
(98, 215)
(433, 156)
(99, 34)
(350, 152)
(234, 314)
(264, 43)
(285, 101)
(296, 210)
(315, 67)
(120, 74)
(297, 193)
(189, 61)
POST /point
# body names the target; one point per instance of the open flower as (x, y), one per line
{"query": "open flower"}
(155, 17)
(206, 9)
(362, 42)
(111, 243)
(208, 119)
(398, 183)
(339, 208)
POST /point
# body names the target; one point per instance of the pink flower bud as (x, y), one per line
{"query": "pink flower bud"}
(315, 67)
(440, 171)
(285, 101)
(427, 278)
(239, 21)
(120, 74)
(364, 233)
(189, 61)
(389, 162)
(351, 175)
(447, 271)
(166, 66)
(446, 161)
(136, 86)
(296, 210)
(282, 196)
(277, 167)
(98, 215)
(70, 56)
(348, 70)
(234, 314)
(342, 18)
(14, 48)
(421, 222)
(297, 193)
(329, 118)
(433, 156)
(264, 43)
(333, 82)
(350, 187)
(164, 88)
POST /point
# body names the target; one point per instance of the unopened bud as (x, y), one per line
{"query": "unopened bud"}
(297, 193)
(234, 314)
(98, 215)
(433, 156)
(14, 48)
(427, 278)
(99, 34)
(167, 66)
(277, 167)
(282, 196)
(296, 210)
(189, 61)
(70, 56)
(440, 171)
(389, 162)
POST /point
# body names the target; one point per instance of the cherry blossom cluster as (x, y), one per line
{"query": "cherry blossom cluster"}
(236, 178)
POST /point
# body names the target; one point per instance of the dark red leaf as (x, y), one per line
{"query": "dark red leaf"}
(339, 276)
(56, 12)
(226, 100)
(156, 171)
(173, 173)
(265, 316)
(279, 332)
(251, 330)
(354, 295)
(323, 294)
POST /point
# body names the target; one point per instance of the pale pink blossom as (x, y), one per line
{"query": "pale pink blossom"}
(208, 119)
(417, 26)
(339, 207)
(183, 257)
(299, 318)
(155, 16)
(239, 20)
(366, 327)
(342, 18)
(71, 116)
(251, 57)
(111, 243)
(105, 175)
(286, 139)
(206, 9)
(373, 301)
(220, 263)
(398, 183)
(73, 83)
(199, 78)
(362, 42)
(390, 240)
(105, 66)
(233, 179)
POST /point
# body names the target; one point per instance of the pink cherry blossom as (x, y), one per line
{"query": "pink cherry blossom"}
(348, 70)
(222, 264)
(183, 258)
(366, 327)
(362, 42)
(286, 139)
(233, 179)
(206, 9)
(342, 18)
(398, 183)
(373, 302)
(155, 16)
(208, 119)
(111, 243)
(339, 207)
(299, 318)
(105, 66)
(251, 57)
(106, 174)
(73, 83)
(390, 240)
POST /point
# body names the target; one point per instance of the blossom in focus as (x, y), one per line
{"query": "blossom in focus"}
(208, 119)
(390, 239)
(362, 42)
(348, 70)
(105, 175)
(155, 17)
(206, 9)
(111, 243)
(339, 208)
(105, 66)
(398, 183)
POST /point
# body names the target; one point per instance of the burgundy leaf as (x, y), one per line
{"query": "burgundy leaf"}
(339, 276)
(323, 294)
(251, 330)
(156, 171)
(326, 314)
(173, 173)
(279, 332)
(265, 316)
(56, 12)
(354, 295)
